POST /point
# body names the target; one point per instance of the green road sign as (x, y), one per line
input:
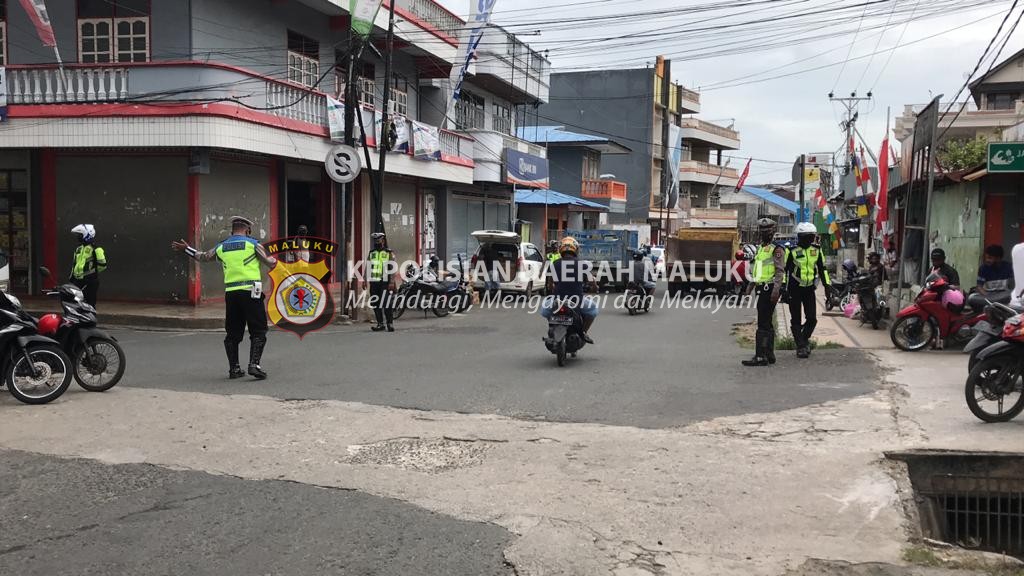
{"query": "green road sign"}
(1006, 157)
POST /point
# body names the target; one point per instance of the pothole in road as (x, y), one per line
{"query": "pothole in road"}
(420, 454)
(971, 500)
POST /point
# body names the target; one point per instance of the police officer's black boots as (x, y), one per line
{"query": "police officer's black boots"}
(255, 354)
(234, 370)
(803, 349)
(760, 345)
(769, 348)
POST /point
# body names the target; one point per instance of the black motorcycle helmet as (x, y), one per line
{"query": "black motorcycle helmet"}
(638, 255)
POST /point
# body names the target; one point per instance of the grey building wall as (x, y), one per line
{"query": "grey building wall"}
(169, 31)
(566, 166)
(231, 188)
(138, 204)
(618, 104)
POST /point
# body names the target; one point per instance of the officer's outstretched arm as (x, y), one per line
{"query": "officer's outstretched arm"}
(182, 246)
(265, 258)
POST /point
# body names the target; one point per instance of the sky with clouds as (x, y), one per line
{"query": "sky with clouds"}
(783, 117)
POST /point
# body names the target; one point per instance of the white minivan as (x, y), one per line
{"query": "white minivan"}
(523, 259)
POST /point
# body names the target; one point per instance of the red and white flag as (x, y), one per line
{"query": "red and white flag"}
(36, 10)
(882, 198)
(743, 177)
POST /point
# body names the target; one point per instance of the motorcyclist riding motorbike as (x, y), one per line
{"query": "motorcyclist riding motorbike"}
(642, 271)
(568, 281)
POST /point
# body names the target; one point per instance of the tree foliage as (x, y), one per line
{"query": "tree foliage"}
(963, 153)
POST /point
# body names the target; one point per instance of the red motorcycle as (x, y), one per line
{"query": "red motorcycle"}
(929, 319)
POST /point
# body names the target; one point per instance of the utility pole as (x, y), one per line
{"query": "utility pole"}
(850, 122)
(666, 178)
(803, 184)
(385, 128)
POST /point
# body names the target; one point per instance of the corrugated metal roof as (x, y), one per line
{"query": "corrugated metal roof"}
(552, 198)
(772, 198)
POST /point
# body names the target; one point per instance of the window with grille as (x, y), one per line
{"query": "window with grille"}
(502, 119)
(1002, 100)
(591, 165)
(469, 112)
(303, 59)
(400, 95)
(113, 31)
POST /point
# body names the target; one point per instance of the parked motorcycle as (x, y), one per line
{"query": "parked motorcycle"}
(98, 359)
(637, 299)
(565, 331)
(429, 295)
(839, 297)
(34, 368)
(871, 308)
(990, 330)
(929, 318)
(998, 376)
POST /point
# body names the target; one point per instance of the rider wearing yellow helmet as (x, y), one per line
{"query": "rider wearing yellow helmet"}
(567, 281)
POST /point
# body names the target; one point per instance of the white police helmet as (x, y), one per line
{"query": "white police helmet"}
(86, 231)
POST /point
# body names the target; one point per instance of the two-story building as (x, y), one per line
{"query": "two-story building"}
(169, 117)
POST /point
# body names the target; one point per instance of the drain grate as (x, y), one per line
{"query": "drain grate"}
(980, 512)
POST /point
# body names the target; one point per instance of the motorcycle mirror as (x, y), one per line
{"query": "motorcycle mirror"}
(44, 272)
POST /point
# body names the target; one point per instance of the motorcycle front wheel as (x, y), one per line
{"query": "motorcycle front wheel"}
(441, 306)
(52, 374)
(991, 383)
(912, 333)
(99, 365)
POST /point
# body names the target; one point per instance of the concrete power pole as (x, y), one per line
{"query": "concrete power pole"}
(666, 178)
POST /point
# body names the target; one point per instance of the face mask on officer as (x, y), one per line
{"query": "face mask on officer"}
(767, 235)
(805, 240)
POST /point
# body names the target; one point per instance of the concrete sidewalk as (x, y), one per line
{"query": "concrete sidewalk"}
(834, 327)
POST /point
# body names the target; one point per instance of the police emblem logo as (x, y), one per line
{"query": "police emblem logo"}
(300, 301)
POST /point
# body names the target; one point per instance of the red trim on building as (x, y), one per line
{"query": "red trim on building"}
(223, 110)
(457, 160)
(273, 171)
(424, 25)
(195, 292)
(48, 213)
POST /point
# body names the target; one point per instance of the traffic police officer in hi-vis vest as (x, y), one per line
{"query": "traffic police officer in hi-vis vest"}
(241, 255)
(90, 260)
(805, 265)
(382, 282)
(769, 268)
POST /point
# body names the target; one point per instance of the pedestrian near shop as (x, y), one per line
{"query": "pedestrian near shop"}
(382, 283)
(769, 268)
(240, 255)
(805, 267)
(90, 260)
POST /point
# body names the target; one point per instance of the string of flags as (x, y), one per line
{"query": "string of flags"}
(830, 220)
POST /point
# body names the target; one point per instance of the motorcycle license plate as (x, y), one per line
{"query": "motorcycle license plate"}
(561, 320)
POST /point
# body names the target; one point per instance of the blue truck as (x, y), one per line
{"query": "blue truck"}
(610, 250)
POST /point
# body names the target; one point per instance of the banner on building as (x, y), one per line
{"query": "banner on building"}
(526, 170)
(675, 158)
(36, 10)
(401, 126)
(426, 141)
(469, 41)
(364, 13)
(336, 119)
(370, 121)
(3, 94)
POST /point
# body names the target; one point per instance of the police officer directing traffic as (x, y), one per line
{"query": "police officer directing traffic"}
(768, 273)
(382, 282)
(805, 265)
(241, 255)
(552, 250)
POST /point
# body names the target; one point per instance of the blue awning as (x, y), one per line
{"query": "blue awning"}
(772, 198)
(552, 198)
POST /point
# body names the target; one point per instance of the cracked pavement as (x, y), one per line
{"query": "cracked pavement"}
(755, 492)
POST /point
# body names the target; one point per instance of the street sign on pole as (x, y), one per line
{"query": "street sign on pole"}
(343, 164)
(1006, 157)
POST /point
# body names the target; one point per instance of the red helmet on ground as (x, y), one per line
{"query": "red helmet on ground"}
(49, 324)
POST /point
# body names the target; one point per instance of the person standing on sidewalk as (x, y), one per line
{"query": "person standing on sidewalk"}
(241, 255)
(90, 260)
(805, 266)
(769, 268)
(382, 282)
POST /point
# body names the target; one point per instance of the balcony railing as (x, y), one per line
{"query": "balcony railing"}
(698, 124)
(690, 95)
(435, 15)
(155, 83)
(608, 189)
(715, 171)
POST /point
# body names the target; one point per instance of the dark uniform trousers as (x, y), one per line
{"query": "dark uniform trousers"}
(90, 287)
(381, 301)
(242, 310)
(802, 299)
(765, 309)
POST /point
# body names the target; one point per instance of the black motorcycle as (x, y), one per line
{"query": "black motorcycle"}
(637, 299)
(99, 361)
(839, 295)
(430, 294)
(34, 368)
(565, 331)
(998, 376)
(871, 312)
(988, 331)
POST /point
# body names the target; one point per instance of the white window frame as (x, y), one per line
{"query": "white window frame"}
(367, 89)
(3, 41)
(113, 52)
(302, 69)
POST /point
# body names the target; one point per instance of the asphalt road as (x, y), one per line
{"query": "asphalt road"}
(80, 517)
(664, 369)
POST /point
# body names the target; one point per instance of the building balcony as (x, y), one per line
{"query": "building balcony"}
(970, 123)
(689, 101)
(292, 118)
(696, 171)
(712, 218)
(604, 189)
(711, 135)
(510, 69)
(433, 15)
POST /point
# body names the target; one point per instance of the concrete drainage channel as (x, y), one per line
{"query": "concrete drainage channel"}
(970, 500)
